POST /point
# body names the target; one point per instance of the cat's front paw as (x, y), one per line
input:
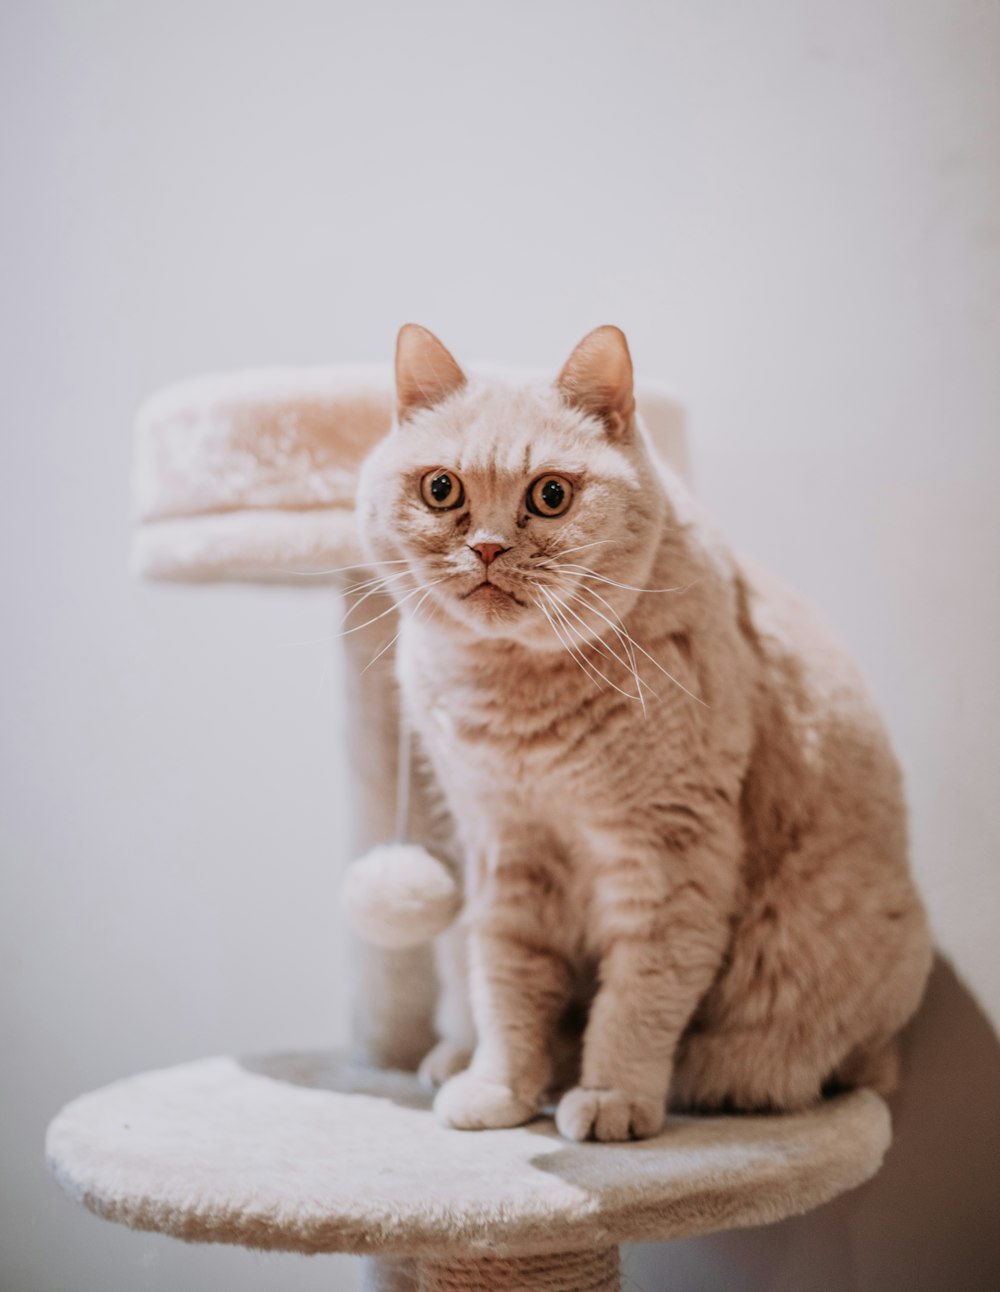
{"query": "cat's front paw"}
(444, 1061)
(585, 1113)
(468, 1102)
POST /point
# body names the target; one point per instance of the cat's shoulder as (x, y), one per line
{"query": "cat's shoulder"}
(804, 656)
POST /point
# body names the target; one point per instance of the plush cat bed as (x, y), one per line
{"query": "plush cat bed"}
(251, 476)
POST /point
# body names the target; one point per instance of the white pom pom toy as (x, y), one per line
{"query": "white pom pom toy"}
(398, 895)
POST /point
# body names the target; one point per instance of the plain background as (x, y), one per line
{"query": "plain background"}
(794, 211)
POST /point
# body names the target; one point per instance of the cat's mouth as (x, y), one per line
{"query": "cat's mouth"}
(488, 592)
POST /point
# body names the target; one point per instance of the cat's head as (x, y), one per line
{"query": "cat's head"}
(527, 512)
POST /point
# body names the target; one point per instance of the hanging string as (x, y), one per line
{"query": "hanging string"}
(403, 780)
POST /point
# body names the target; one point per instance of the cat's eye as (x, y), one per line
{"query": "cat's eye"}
(549, 496)
(442, 490)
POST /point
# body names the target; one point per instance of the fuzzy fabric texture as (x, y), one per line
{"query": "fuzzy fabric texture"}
(252, 475)
(309, 1154)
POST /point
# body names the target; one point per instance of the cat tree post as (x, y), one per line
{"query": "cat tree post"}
(251, 477)
(392, 991)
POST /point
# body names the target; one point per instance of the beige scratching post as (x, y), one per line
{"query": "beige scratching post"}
(251, 476)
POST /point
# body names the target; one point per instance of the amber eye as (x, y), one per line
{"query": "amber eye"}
(442, 490)
(549, 496)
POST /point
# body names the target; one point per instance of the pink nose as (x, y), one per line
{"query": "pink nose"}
(488, 552)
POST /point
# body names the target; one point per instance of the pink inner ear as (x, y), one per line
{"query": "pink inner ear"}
(426, 373)
(597, 379)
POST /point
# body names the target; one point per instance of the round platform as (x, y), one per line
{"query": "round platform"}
(309, 1153)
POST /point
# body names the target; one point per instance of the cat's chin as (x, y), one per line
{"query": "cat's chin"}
(491, 611)
(490, 595)
(494, 613)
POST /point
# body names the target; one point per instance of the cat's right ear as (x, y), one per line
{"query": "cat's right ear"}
(597, 378)
(425, 372)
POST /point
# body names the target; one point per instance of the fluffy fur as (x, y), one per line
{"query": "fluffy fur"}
(680, 817)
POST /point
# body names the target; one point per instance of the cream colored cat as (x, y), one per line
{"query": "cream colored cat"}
(671, 789)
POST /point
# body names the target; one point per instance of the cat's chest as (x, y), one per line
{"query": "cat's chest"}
(496, 745)
(532, 745)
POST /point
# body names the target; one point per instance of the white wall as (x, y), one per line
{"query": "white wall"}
(794, 211)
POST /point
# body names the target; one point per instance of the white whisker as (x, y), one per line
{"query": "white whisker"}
(343, 569)
(558, 612)
(379, 578)
(621, 632)
(574, 568)
(379, 586)
(395, 637)
(606, 649)
(598, 542)
(577, 659)
(641, 649)
(397, 605)
(388, 646)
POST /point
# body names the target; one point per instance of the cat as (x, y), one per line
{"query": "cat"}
(670, 788)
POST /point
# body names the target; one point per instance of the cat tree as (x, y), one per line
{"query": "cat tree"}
(250, 476)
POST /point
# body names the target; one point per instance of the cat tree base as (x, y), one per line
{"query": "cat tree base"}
(596, 1271)
(310, 1153)
(588, 1271)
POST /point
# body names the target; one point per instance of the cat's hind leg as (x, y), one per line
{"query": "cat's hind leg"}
(780, 1071)
(824, 969)
(731, 1071)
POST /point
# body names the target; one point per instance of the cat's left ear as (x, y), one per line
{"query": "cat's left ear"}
(597, 379)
